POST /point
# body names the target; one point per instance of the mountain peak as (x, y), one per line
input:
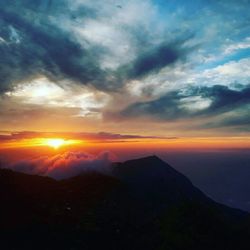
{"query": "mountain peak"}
(156, 184)
(150, 165)
(147, 159)
(150, 169)
(150, 157)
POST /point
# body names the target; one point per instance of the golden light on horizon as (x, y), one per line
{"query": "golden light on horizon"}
(196, 143)
(56, 143)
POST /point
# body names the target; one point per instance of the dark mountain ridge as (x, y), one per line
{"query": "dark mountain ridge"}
(152, 178)
(145, 204)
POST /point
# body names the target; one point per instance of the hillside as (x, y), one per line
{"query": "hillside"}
(145, 204)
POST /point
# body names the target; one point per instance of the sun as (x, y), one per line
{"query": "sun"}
(56, 143)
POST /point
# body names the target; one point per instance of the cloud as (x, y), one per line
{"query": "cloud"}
(66, 165)
(237, 120)
(192, 102)
(15, 115)
(225, 74)
(101, 136)
(154, 59)
(89, 48)
(232, 48)
(44, 93)
(41, 49)
(225, 99)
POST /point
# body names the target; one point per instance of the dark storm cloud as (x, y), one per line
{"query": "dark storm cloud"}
(172, 106)
(225, 99)
(153, 60)
(165, 107)
(31, 45)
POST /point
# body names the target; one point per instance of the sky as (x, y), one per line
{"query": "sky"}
(140, 68)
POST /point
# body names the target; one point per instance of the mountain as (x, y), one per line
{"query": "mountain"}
(144, 204)
(152, 178)
(160, 186)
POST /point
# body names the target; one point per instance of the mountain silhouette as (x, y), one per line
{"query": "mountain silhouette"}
(143, 204)
(152, 177)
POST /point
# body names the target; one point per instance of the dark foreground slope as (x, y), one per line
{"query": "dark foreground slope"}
(146, 204)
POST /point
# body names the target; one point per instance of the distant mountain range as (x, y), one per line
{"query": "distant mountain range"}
(144, 204)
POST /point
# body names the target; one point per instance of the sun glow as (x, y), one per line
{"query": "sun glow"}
(56, 143)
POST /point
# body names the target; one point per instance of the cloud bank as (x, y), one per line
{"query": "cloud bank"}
(66, 165)
(97, 137)
(192, 102)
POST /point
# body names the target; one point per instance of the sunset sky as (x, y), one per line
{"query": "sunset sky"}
(135, 73)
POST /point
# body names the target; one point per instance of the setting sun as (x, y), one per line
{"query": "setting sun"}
(56, 143)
